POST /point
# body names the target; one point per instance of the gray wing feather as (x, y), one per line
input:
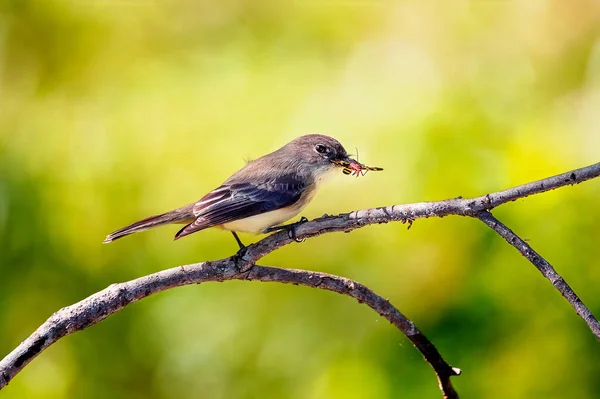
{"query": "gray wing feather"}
(241, 200)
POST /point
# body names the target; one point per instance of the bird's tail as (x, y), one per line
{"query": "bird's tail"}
(181, 215)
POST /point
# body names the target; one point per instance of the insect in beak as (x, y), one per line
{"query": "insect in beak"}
(351, 166)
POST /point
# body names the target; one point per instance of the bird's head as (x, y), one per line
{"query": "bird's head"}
(320, 153)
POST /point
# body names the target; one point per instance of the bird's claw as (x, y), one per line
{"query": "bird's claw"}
(240, 263)
(292, 235)
(292, 229)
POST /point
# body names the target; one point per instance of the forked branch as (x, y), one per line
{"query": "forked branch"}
(242, 267)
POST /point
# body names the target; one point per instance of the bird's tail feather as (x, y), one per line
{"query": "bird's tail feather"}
(181, 215)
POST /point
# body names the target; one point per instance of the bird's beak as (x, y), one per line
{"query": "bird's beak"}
(348, 164)
(345, 162)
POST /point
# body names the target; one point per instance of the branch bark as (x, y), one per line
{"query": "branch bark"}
(242, 267)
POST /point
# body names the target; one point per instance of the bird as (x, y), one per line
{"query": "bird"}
(261, 196)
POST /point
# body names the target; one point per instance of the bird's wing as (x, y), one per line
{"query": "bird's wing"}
(235, 201)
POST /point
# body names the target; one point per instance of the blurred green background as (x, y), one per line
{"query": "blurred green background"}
(114, 110)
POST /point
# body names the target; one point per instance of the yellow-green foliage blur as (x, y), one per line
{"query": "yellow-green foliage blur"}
(111, 111)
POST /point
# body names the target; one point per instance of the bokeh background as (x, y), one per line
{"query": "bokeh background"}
(111, 111)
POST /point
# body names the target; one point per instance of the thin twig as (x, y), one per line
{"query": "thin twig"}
(242, 266)
(544, 267)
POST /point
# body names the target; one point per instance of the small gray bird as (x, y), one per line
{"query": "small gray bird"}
(263, 194)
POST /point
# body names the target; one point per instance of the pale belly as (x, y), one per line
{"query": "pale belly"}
(258, 223)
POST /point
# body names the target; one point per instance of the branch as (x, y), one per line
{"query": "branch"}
(97, 307)
(544, 267)
(364, 295)
(242, 267)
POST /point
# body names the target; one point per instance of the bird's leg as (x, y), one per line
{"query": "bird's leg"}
(291, 228)
(242, 246)
(238, 258)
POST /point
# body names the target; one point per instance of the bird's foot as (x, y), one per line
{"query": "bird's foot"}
(291, 229)
(240, 263)
(238, 259)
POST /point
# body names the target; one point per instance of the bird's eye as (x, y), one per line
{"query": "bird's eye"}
(321, 149)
